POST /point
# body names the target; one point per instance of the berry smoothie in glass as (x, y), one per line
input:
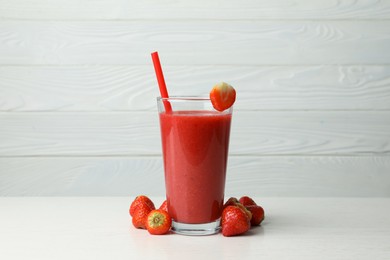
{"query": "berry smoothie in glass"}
(195, 144)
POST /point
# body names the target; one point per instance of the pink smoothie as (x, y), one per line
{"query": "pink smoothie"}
(195, 149)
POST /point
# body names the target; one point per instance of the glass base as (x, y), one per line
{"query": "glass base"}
(203, 229)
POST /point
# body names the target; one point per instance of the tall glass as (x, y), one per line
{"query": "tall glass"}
(195, 144)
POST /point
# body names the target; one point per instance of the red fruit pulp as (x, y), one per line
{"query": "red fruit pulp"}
(195, 149)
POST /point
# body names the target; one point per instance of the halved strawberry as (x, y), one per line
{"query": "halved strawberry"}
(234, 221)
(222, 96)
(158, 222)
(141, 199)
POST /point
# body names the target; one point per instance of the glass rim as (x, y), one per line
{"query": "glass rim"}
(184, 98)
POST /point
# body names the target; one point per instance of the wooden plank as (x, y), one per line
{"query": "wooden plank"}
(228, 9)
(329, 176)
(195, 42)
(129, 88)
(253, 132)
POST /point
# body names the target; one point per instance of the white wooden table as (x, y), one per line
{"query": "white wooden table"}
(100, 228)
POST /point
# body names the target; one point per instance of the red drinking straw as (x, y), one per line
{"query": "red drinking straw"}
(161, 81)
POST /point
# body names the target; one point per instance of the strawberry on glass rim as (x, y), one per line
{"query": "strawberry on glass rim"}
(222, 96)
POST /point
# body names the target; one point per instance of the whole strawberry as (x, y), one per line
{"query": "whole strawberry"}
(164, 206)
(141, 199)
(140, 214)
(257, 214)
(234, 221)
(246, 201)
(158, 222)
(247, 212)
(232, 201)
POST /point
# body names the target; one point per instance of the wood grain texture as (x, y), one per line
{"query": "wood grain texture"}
(195, 42)
(130, 88)
(77, 93)
(137, 133)
(257, 176)
(183, 10)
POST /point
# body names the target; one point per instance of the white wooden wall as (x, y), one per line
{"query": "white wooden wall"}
(77, 93)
